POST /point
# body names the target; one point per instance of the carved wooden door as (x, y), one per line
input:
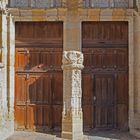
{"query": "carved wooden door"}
(105, 76)
(38, 80)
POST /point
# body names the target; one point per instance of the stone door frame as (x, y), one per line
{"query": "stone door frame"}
(130, 66)
(88, 18)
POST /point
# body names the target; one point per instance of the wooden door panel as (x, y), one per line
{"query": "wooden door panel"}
(22, 31)
(27, 59)
(39, 90)
(122, 120)
(104, 33)
(122, 59)
(20, 117)
(87, 101)
(57, 100)
(105, 48)
(105, 59)
(122, 84)
(31, 118)
(105, 100)
(36, 88)
(43, 101)
(104, 89)
(38, 59)
(58, 88)
(39, 117)
(32, 93)
(97, 60)
(47, 91)
(111, 112)
(39, 33)
(87, 58)
(20, 102)
(21, 91)
(21, 59)
(122, 100)
(87, 88)
(88, 117)
(39, 78)
(57, 58)
(109, 58)
(46, 59)
(57, 117)
(39, 105)
(47, 117)
(34, 59)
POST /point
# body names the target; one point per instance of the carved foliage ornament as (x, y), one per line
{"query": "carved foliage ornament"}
(72, 59)
(3, 8)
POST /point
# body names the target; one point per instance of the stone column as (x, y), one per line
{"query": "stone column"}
(6, 111)
(3, 72)
(10, 69)
(1, 109)
(135, 128)
(137, 64)
(72, 117)
(3, 45)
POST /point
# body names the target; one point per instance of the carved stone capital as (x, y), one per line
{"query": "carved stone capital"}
(3, 8)
(72, 60)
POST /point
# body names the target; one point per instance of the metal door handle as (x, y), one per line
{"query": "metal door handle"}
(94, 98)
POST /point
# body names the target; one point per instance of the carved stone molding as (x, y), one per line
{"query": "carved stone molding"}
(138, 4)
(72, 60)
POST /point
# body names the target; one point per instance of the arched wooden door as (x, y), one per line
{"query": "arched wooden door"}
(105, 76)
(39, 78)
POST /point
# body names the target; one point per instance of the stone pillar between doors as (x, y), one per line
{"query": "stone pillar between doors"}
(72, 117)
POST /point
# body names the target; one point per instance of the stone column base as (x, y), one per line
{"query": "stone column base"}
(72, 128)
(71, 136)
(135, 132)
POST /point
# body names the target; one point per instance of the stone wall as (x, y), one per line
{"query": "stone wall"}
(72, 18)
(37, 3)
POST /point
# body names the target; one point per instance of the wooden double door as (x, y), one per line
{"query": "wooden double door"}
(105, 76)
(38, 77)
